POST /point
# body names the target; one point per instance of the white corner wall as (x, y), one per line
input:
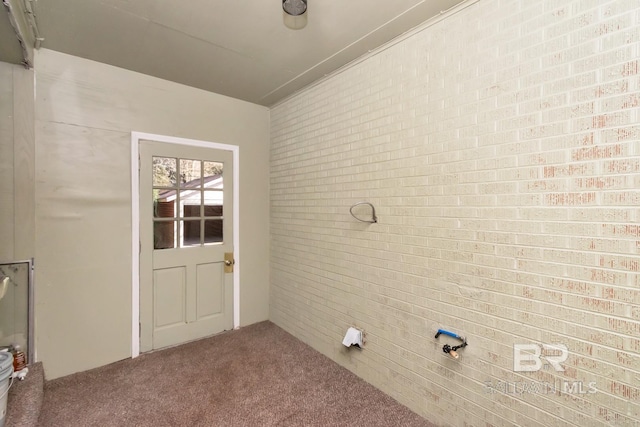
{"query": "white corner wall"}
(16, 163)
(501, 149)
(6, 161)
(17, 186)
(85, 113)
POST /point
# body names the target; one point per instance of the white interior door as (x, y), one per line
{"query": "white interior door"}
(186, 228)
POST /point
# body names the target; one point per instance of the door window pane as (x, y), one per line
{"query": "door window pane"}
(190, 233)
(190, 173)
(212, 170)
(163, 208)
(213, 201)
(213, 210)
(164, 234)
(191, 202)
(164, 172)
(213, 231)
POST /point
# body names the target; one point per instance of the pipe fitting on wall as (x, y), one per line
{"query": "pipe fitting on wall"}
(353, 337)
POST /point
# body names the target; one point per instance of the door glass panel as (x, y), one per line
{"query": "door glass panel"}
(161, 207)
(164, 234)
(212, 170)
(191, 202)
(190, 233)
(164, 172)
(190, 192)
(190, 173)
(213, 201)
(212, 231)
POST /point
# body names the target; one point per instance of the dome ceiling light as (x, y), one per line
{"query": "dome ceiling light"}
(294, 7)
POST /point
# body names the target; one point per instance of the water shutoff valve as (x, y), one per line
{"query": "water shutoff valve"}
(452, 350)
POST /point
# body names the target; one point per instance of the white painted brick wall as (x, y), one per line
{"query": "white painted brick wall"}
(501, 149)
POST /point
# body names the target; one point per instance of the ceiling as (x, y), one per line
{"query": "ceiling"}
(241, 49)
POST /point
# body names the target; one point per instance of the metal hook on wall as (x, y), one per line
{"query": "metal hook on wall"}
(4, 282)
(373, 219)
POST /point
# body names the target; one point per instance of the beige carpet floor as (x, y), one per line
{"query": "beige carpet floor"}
(255, 376)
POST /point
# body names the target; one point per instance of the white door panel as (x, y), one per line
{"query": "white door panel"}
(169, 288)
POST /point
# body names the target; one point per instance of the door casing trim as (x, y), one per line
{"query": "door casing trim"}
(135, 225)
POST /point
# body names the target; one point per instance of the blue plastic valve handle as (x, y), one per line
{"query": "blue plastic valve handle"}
(451, 334)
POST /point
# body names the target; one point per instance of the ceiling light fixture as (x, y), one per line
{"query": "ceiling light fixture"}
(294, 7)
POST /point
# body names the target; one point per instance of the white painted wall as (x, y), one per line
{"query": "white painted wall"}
(16, 162)
(501, 149)
(6, 160)
(85, 113)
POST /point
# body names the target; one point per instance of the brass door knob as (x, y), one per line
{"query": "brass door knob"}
(228, 262)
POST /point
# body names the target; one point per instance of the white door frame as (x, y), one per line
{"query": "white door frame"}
(135, 225)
